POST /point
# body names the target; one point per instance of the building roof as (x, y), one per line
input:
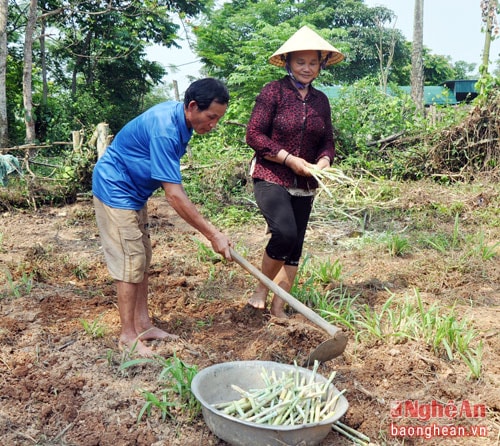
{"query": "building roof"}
(463, 89)
(433, 95)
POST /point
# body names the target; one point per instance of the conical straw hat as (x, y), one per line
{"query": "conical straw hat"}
(306, 39)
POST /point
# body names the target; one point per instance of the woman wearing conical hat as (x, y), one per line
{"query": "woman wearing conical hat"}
(290, 129)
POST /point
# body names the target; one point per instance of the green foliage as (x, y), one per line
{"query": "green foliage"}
(443, 242)
(14, 92)
(95, 329)
(328, 271)
(237, 39)
(175, 394)
(483, 250)
(485, 85)
(364, 113)
(464, 70)
(411, 319)
(394, 321)
(216, 176)
(18, 288)
(437, 69)
(96, 63)
(397, 245)
(473, 358)
(206, 253)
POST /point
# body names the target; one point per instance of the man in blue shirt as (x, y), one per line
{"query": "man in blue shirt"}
(144, 156)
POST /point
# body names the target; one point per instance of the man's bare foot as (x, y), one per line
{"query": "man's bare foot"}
(135, 348)
(156, 333)
(258, 300)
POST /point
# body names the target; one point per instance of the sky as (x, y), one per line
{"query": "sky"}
(451, 28)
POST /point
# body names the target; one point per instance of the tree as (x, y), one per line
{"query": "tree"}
(385, 55)
(28, 67)
(417, 60)
(103, 46)
(89, 60)
(437, 69)
(235, 41)
(464, 70)
(489, 11)
(3, 74)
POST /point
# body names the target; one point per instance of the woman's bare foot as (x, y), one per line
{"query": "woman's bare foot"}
(258, 300)
(279, 313)
(278, 308)
(156, 333)
(135, 347)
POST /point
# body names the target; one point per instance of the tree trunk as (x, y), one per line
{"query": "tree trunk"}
(43, 63)
(43, 52)
(4, 128)
(27, 72)
(489, 11)
(417, 60)
(101, 138)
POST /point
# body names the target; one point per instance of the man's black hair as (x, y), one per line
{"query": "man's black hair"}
(205, 91)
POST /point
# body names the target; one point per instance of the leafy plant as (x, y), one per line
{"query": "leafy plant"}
(413, 320)
(81, 271)
(339, 308)
(397, 245)
(206, 254)
(19, 288)
(328, 271)
(95, 329)
(483, 250)
(175, 394)
(473, 359)
(445, 242)
(207, 322)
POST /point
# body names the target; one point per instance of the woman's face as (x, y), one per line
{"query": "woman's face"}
(305, 65)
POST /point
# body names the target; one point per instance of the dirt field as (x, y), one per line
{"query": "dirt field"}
(60, 386)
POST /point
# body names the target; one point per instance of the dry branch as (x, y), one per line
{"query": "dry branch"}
(471, 146)
(26, 147)
(390, 138)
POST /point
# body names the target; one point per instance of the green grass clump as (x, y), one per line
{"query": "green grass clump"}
(174, 396)
(449, 336)
(95, 329)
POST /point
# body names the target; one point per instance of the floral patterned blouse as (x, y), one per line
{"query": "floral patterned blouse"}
(282, 119)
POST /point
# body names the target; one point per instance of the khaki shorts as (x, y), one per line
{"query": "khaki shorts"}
(125, 241)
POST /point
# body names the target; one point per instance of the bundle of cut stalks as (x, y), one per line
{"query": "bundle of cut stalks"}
(288, 400)
(332, 175)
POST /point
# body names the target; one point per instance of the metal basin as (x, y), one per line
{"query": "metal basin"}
(212, 385)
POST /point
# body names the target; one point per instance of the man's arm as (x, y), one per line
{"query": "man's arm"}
(178, 199)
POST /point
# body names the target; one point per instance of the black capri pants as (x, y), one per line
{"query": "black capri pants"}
(287, 217)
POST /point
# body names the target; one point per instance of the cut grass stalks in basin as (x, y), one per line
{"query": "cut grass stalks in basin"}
(288, 400)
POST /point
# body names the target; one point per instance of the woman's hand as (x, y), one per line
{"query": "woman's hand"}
(299, 165)
(323, 163)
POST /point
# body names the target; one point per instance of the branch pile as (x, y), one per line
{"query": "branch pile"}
(471, 146)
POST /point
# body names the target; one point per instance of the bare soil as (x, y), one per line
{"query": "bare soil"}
(60, 386)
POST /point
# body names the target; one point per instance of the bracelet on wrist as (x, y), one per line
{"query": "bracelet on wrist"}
(286, 157)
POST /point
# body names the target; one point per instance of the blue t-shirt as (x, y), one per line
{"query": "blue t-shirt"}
(145, 152)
